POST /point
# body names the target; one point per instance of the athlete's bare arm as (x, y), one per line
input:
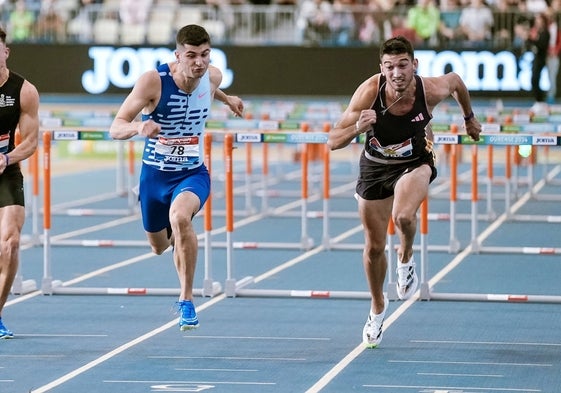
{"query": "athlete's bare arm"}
(143, 97)
(233, 102)
(439, 88)
(358, 117)
(28, 125)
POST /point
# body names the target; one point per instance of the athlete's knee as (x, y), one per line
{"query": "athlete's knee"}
(373, 251)
(181, 220)
(10, 246)
(159, 249)
(404, 220)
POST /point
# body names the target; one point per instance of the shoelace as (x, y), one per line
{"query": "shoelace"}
(180, 306)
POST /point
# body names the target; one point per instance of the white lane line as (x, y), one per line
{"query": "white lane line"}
(517, 344)
(227, 370)
(228, 358)
(259, 338)
(339, 367)
(161, 384)
(508, 364)
(30, 356)
(62, 335)
(162, 328)
(451, 389)
(119, 350)
(462, 375)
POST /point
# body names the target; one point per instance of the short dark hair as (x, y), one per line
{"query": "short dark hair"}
(192, 35)
(397, 46)
(2, 35)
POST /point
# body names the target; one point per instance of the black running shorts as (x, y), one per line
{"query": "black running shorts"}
(11, 187)
(377, 180)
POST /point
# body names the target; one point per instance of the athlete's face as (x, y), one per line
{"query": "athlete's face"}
(193, 60)
(399, 70)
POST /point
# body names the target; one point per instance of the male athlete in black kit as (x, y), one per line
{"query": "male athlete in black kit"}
(19, 109)
(394, 109)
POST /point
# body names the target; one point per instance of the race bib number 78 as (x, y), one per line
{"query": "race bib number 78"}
(177, 149)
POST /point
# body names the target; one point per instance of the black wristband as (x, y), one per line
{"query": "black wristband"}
(469, 117)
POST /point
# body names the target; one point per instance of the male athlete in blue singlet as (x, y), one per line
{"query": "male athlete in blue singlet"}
(394, 109)
(175, 102)
(19, 109)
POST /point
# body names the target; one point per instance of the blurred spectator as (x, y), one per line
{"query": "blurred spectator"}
(505, 14)
(449, 29)
(313, 21)
(374, 24)
(368, 31)
(342, 23)
(538, 43)
(536, 6)
(50, 25)
(134, 12)
(21, 22)
(424, 19)
(476, 22)
(80, 28)
(522, 26)
(553, 51)
(400, 28)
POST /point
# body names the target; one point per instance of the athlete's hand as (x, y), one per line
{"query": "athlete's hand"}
(473, 128)
(365, 120)
(3, 164)
(149, 128)
(235, 104)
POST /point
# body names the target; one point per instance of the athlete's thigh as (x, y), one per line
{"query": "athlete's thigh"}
(191, 193)
(11, 220)
(411, 189)
(375, 215)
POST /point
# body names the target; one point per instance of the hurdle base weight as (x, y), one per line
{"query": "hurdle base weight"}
(22, 287)
(391, 292)
(48, 284)
(211, 288)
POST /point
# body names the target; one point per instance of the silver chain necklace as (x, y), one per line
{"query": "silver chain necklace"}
(384, 109)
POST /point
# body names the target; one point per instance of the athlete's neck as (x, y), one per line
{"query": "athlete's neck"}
(4, 74)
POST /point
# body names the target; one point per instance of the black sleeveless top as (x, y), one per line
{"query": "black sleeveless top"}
(399, 137)
(9, 111)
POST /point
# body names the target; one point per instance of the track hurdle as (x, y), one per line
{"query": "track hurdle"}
(306, 242)
(123, 187)
(49, 286)
(426, 292)
(507, 140)
(129, 213)
(239, 288)
(236, 288)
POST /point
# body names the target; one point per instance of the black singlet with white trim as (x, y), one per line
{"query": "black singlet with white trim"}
(398, 137)
(11, 180)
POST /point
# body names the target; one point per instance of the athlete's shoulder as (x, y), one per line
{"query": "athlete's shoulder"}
(215, 76)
